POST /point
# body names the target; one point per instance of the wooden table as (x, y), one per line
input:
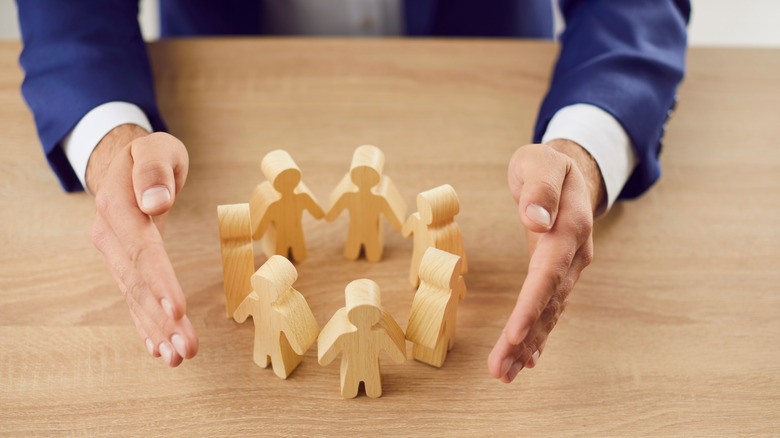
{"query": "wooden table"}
(673, 330)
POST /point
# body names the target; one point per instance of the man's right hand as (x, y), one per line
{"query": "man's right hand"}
(135, 177)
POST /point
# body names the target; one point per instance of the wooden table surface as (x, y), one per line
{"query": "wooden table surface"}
(673, 330)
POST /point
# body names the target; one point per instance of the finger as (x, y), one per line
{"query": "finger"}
(160, 164)
(183, 339)
(551, 260)
(171, 339)
(148, 342)
(169, 355)
(540, 342)
(531, 363)
(537, 336)
(139, 238)
(153, 324)
(502, 357)
(537, 173)
(549, 264)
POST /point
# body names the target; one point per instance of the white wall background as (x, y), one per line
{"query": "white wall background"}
(746, 23)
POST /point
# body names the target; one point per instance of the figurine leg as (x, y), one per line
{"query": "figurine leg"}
(298, 248)
(285, 360)
(373, 383)
(349, 382)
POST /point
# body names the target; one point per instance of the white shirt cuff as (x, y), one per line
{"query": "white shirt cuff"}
(599, 133)
(85, 136)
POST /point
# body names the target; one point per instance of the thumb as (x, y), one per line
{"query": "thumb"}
(160, 164)
(542, 172)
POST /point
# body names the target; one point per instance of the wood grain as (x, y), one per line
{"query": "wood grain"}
(433, 317)
(672, 330)
(238, 258)
(433, 225)
(284, 325)
(359, 332)
(278, 204)
(367, 195)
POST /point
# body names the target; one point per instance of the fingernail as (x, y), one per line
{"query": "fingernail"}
(155, 197)
(514, 370)
(538, 214)
(179, 344)
(149, 346)
(532, 360)
(506, 364)
(166, 352)
(167, 307)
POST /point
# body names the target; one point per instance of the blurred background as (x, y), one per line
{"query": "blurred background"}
(749, 23)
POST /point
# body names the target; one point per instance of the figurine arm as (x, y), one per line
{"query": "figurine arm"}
(408, 228)
(393, 206)
(461, 288)
(309, 201)
(298, 324)
(260, 204)
(394, 341)
(243, 310)
(329, 341)
(338, 198)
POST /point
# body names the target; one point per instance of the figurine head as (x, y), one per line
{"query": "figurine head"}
(437, 205)
(440, 268)
(279, 168)
(364, 303)
(366, 168)
(275, 277)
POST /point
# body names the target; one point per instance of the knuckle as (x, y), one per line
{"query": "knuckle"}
(99, 237)
(103, 203)
(547, 192)
(553, 309)
(153, 170)
(548, 328)
(558, 272)
(528, 351)
(130, 291)
(587, 256)
(136, 251)
(583, 228)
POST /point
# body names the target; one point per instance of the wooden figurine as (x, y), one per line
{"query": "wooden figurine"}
(278, 204)
(434, 225)
(284, 325)
(432, 320)
(238, 259)
(366, 194)
(359, 332)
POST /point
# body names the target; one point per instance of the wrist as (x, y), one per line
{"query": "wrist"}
(588, 168)
(106, 150)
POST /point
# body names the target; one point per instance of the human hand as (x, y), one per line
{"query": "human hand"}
(135, 177)
(557, 187)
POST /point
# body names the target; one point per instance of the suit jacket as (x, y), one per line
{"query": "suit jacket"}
(624, 56)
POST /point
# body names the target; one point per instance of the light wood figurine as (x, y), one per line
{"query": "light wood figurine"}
(366, 194)
(284, 324)
(277, 206)
(238, 259)
(433, 225)
(432, 320)
(359, 332)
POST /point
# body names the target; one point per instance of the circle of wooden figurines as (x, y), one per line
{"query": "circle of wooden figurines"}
(285, 327)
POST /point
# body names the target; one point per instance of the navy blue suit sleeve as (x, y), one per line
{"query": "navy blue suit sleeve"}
(78, 55)
(626, 57)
